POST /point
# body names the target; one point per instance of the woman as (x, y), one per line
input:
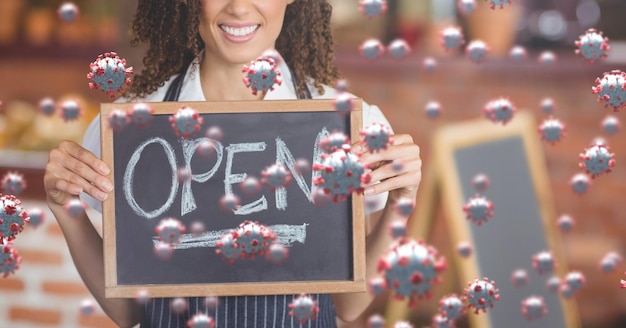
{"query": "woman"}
(196, 52)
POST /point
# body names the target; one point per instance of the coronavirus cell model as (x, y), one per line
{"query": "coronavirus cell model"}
(70, 110)
(87, 307)
(610, 125)
(451, 307)
(399, 49)
(466, 7)
(611, 89)
(118, 120)
(501, 3)
(551, 130)
(229, 202)
(440, 321)
(12, 217)
(574, 281)
(547, 58)
(518, 53)
(592, 45)
(534, 307)
(565, 223)
(163, 251)
(179, 305)
(37, 217)
(261, 75)
(68, 11)
(47, 106)
(109, 74)
(343, 102)
(10, 259)
(519, 278)
(170, 230)
(607, 264)
(201, 320)
(13, 183)
(580, 183)
(499, 110)
(228, 248)
(341, 174)
(597, 160)
(481, 294)
(544, 262)
(141, 114)
(404, 206)
(377, 286)
(303, 308)
(186, 121)
(451, 37)
(478, 209)
(477, 51)
(553, 284)
(376, 321)
(464, 249)
(547, 105)
(481, 182)
(253, 239)
(432, 109)
(403, 324)
(75, 208)
(372, 8)
(334, 142)
(372, 49)
(429, 64)
(377, 136)
(276, 176)
(277, 253)
(410, 269)
(397, 229)
(250, 185)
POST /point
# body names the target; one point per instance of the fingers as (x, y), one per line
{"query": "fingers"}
(409, 180)
(72, 169)
(85, 156)
(391, 177)
(403, 149)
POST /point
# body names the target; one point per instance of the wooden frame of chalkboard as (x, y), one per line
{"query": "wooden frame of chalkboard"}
(336, 247)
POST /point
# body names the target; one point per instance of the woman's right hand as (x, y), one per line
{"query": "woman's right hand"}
(72, 169)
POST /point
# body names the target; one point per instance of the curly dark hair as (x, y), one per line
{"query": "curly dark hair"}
(305, 42)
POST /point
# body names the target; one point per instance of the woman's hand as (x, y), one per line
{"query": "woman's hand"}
(402, 182)
(72, 169)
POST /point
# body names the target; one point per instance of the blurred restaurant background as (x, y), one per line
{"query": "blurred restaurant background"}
(43, 56)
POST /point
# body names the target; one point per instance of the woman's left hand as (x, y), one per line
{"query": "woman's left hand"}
(400, 183)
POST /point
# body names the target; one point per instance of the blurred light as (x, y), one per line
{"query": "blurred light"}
(552, 25)
(588, 13)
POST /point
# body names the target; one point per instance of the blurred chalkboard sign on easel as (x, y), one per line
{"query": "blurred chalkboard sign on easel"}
(523, 222)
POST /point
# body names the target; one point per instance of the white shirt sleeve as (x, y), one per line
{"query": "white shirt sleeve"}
(91, 142)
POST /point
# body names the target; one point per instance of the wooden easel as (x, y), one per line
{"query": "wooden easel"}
(441, 184)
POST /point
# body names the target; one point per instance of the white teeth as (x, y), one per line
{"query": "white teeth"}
(239, 31)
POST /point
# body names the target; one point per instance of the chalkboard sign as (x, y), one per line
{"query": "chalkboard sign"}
(326, 242)
(523, 223)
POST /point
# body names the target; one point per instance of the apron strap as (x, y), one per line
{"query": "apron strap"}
(173, 91)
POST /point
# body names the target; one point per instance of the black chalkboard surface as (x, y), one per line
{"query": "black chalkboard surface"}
(523, 223)
(325, 242)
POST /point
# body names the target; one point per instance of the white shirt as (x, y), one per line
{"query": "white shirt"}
(192, 91)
